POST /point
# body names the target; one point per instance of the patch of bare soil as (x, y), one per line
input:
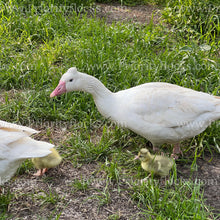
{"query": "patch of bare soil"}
(208, 175)
(140, 14)
(56, 194)
(10, 95)
(32, 198)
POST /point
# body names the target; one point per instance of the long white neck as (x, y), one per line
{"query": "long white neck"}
(102, 96)
(93, 86)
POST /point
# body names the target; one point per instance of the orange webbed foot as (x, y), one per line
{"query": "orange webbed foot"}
(40, 172)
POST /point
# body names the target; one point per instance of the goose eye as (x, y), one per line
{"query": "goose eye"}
(71, 80)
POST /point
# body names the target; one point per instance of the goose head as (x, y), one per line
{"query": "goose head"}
(72, 80)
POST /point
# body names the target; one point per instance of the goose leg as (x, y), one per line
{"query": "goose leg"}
(176, 150)
(155, 148)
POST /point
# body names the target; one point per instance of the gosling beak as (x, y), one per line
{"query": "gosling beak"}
(60, 89)
(137, 157)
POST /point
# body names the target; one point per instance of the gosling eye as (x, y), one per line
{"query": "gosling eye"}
(71, 80)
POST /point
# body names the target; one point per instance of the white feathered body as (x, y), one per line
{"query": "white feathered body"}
(16, 146)
(161, 112)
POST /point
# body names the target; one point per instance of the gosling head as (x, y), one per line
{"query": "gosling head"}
(143, 154)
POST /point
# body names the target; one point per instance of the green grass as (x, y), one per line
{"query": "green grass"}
(195, 18)
(5, 199)
(185, 198)
(38, 46)
(49, 198)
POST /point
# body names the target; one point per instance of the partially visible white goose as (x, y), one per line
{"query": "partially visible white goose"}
(160, 112)
(16, 146)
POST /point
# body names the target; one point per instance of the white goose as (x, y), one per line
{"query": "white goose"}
(16, 146)
(160, 112)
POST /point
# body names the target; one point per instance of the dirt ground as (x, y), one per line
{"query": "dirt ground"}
(208, 174)
(88, 201)
(91, 203)
(139, 14)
